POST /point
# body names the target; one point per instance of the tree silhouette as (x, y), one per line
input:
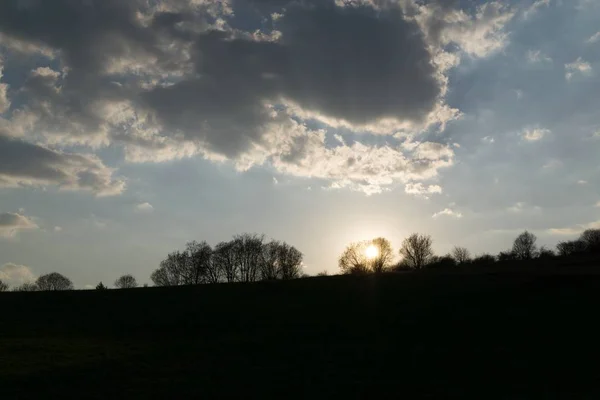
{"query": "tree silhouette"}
(224, 261)
(248, 253)
(385, 255)
(570, 248)
(173, 271)
(484, 260)
(461, 255)
(269, 268)
(416, 251)
(444, 262)
(591, 238)
(54, 282)
(289, 261)
(3, 286)
(199, 255)
(545, 253)
(524, 247)
(26, 287)
(126, 282)
(354, 260)
(101, 286)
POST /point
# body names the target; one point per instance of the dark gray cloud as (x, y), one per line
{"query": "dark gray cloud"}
(11, 223)
(24, 164)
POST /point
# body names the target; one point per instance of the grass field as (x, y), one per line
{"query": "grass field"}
(509, 335)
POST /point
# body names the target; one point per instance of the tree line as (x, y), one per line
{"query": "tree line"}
(245, 258)
(416, 253)
(250, 258)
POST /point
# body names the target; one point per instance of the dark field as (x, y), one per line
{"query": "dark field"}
(478, 335)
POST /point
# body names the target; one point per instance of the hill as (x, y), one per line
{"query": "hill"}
(525, 334)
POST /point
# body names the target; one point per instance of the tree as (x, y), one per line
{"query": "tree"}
(199, 256)
(545, 253)
(126, 282)
(54, 282)
(354, 259)
(173, 271)
(289, 261)
(571, 247)
(591, 238)
(26, 287)
(3, 286)
(248, 253)
(483, 260)
(101, 286)
(524, 247)
(269, 268)
(506, 256)
(323, 273)
(445, 262)
(416, 251)
(461, 255)
(224, 261)
(385, 255)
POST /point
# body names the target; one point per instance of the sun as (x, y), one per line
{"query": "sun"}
(371, 252)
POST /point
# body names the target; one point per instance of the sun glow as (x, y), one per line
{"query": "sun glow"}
(371, 252)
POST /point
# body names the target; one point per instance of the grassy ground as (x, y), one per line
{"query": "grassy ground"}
(476, 335)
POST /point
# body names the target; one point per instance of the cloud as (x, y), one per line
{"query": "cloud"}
(16, 275)
(536, 56)
(447, 212)
(535, 7)
(4, 101)
(478, 34)
(11, 223)
(534, 134)
(577, 66)
(574, 230)
(58, 229)
(582, 182)
(594, 38)
(27, 164)
(422, 190)
(598, 204)
(521, 207)
(144, 208)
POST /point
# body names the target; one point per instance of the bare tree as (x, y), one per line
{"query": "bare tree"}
(53, 282)
(173, 271)
(385, 255)
(461, 255)
(269, 267)
(323, 273)
(224, 261)
(591, 238)
(26, 287)
(289, 261)
(3, 286)
(199, 255)
(354, 260)
(524, 247)
(416, 250)
(101, 286)
(248, 254)
(126, 282)
(571, 247)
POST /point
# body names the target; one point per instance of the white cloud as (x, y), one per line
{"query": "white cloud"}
(447, 212)
(534, 134)
(275, 181)
(144, 207)
(58, 229)
(574, 230)
(421, 190)
(16, 275)
(4, 101)
(594, 38)
(11, 223)
(582, 182)
(292, 149)
(598, 204)
(535, 7)
(536, 56)
(488, 139)
(521, 207)
(478, 35)
(577, 66)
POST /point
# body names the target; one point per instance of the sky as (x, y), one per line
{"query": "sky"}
(128, 128)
